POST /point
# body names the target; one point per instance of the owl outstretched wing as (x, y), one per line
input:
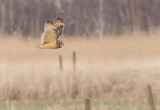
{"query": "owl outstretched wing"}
(52, 30)
(50, 33)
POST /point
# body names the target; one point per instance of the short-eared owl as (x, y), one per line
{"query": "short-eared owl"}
(52, 31)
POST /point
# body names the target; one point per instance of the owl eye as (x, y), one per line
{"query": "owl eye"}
(60, 27)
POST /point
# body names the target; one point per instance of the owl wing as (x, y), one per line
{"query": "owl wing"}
(59, 23)
(50, 33)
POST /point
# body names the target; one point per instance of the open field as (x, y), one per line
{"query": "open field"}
(77, 105)
(112, 68)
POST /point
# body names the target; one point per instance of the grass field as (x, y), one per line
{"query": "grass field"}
(112, 68)
(77, 105)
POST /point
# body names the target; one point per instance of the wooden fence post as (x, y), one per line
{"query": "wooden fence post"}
(87, 104)
(150, 97)
(60, 63)
(74, 61)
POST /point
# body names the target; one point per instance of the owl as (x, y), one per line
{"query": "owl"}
(52, 31)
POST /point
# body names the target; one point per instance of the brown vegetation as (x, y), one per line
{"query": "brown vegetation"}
(114, 67)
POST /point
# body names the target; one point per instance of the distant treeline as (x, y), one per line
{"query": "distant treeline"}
(82, 17)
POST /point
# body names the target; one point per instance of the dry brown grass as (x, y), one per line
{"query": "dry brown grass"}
(115, 67)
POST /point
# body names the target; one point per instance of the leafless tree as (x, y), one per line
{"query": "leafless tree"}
(82, 17)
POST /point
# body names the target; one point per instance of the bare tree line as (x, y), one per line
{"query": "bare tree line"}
(82, 17)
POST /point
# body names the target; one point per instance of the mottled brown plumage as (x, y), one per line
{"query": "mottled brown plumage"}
(52, 31)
